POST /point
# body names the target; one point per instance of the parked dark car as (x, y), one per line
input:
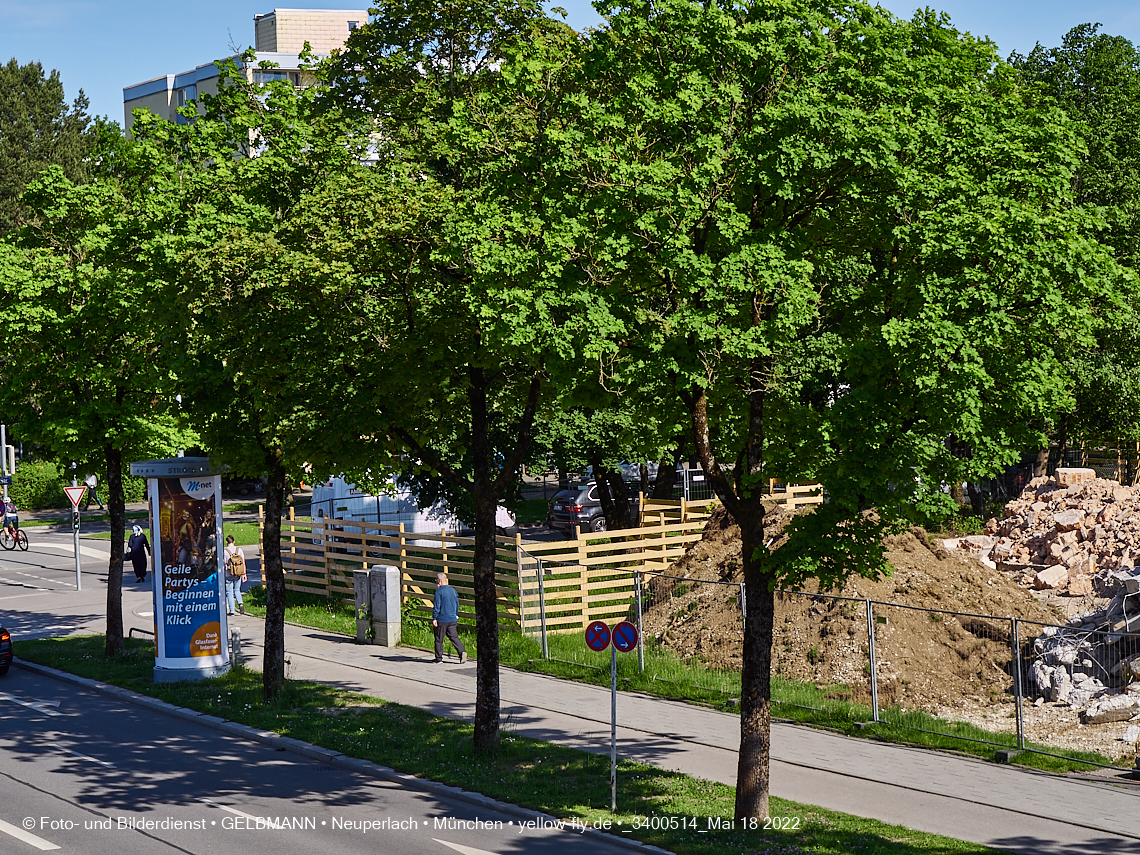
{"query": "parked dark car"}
(580, 506)
(236, 486)
(5, 651)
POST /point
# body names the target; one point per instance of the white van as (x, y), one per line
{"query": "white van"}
(337, 499)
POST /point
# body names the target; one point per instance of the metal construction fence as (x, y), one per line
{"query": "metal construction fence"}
(960, 675)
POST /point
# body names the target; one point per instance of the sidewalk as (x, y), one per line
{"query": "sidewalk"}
(1000, 806)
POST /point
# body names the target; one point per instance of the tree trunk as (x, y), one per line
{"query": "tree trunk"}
(486, 627)
(667, 475)
(486, 596)
(756, 674)
(273, 575)
(1041, 462)
(613, 495)
(118, 512)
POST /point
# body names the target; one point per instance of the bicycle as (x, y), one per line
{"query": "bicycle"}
(13, 536)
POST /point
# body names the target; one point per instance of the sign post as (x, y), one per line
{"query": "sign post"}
(75, 496)
(623, 638)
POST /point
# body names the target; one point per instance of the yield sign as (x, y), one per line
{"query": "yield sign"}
(75, 495)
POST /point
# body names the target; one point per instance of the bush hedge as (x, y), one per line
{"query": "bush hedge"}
(38, 485)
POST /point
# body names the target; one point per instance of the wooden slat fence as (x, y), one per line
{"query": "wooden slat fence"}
(588, 577)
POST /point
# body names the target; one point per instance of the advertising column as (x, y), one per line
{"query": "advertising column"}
(186, 514)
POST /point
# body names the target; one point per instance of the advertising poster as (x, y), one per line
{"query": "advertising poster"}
(188, 587)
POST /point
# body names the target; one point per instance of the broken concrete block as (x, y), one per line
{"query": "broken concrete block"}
(1068, 521)
(1067, 477)
(1080, 586)
(1112, 708)
(1061, 686)
(1051, 577)
(1131, 735)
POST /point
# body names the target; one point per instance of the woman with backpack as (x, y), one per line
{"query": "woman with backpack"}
(235, 575)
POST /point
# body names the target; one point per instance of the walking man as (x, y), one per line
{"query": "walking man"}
(445, 618)
(92, 482)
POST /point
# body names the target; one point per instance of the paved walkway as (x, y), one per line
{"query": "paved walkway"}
(1001, 806)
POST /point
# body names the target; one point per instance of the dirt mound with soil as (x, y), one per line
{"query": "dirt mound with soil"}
(925, 659)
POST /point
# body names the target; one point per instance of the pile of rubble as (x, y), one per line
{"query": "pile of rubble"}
(1092, 665)
(1075, 534)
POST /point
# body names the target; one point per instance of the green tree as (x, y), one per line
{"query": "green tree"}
(37, 129)
(84, 373)
(844, 239)
(1095, 78)
(240, 310)
(452, 354)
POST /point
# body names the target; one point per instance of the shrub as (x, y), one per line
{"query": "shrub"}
(37, 486)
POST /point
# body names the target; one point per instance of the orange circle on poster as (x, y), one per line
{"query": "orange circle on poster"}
(207, 640)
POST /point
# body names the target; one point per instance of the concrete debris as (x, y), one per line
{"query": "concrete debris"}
(1112, 708)
(1075, 535)
(1131, 735)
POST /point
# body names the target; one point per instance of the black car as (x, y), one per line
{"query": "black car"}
(580, 506)
(5, 651)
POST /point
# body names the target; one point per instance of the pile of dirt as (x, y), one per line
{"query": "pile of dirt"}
(925, 659)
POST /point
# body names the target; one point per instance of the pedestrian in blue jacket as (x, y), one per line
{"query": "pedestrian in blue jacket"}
(445, 618)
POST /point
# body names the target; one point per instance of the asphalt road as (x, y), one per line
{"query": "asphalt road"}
(86, 773)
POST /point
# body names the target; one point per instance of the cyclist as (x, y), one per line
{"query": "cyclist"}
(11, 520)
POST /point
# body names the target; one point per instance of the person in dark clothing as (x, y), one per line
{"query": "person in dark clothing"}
(137, 549)
(92, 482)
(445, 618)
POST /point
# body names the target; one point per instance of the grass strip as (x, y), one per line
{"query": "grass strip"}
(245, 533)
(669, 676)
(87, 518)
(676, 812)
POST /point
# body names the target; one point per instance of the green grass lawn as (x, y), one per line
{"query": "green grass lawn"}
(669, 676)
(538, 775)
(245, 533)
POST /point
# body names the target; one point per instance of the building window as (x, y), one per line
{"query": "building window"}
(352, 25)
(263, 77)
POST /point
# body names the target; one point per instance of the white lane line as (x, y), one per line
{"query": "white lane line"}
(31, 839)
(83, 756)
(38, 706)
(40, 578)
(70, 548)
(23, 596)
(461, 849)
(229, 809)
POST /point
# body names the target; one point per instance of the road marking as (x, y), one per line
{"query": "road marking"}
(41, 578)
(83, 550)
(462, 850)
(146, 614)
(229, 809)
(38, 706)
(20, 834)
(83, 756)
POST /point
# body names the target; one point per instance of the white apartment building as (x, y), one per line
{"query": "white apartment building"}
(279, 38)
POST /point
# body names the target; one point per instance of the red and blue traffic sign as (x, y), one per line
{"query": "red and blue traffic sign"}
(625, 637)
(597, 636)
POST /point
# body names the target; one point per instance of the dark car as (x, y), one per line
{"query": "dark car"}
(236, 486)
(5, 651)
(580, 506)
